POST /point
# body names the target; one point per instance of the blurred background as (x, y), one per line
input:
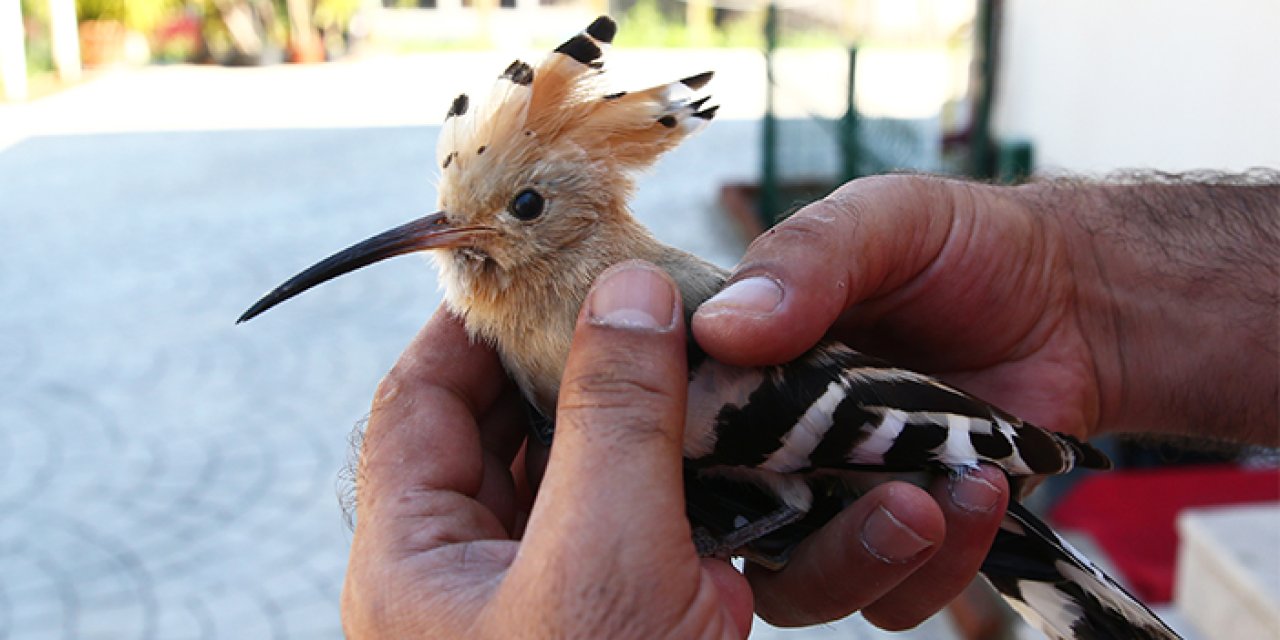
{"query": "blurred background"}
(164, 474)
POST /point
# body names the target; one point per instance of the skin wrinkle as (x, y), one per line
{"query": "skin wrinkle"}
(902, 291)
(874, 301)
(808, 230)
(888, 310)
(438, 512)
(608, 390)
(1112, 329)
(931, 264)
(899, 285)
(1046, 329)
(1043, 337)
(953, 243)
(1033, 195)
(624, 431)
(1046, 326)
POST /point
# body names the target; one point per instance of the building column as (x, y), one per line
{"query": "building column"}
(13, 53)
(65, 34)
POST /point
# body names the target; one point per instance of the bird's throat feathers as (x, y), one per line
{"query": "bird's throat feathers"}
(529, 316)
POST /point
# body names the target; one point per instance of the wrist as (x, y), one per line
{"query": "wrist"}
(1177, 298)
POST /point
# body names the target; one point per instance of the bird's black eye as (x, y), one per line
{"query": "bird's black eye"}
(527, 205)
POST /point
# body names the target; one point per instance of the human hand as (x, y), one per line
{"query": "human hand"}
(959, 280)
(1147, 304)
(950, 278)
(439, 550)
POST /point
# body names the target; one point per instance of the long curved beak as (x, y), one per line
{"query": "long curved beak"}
(428, 232)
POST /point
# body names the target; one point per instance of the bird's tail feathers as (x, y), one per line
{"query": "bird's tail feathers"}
(1086, 455)
(1054, 586)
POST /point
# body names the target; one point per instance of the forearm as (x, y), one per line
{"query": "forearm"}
(1179, 292)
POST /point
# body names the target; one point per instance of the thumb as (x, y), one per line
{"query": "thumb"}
(866, 239)
(614, 478)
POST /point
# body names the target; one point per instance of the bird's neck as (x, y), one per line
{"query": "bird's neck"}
(530, 320)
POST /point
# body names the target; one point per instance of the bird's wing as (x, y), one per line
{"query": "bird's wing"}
(1055, 587)
(835, 408)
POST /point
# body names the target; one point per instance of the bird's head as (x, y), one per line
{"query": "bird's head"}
(534, 178)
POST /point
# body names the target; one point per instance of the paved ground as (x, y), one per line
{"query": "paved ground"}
(163, 473)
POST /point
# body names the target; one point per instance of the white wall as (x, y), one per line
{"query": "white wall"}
(1165, 84)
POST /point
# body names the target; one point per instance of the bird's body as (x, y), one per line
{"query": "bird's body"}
(534, 192)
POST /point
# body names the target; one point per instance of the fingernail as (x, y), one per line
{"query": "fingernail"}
(632, 296)
(756, 294)
(888, 539)
(972, 492)
(388, 389)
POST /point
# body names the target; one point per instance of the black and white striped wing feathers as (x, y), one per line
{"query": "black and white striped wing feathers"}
(836, 408)
(1059, 590)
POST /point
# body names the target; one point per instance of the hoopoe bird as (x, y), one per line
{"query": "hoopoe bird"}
(533, 206)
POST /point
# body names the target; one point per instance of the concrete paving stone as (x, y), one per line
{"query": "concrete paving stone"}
(104, 621)
(177, 622)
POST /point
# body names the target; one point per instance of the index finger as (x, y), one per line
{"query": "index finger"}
(422, 430)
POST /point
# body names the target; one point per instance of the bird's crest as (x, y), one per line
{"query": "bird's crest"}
(559, 110)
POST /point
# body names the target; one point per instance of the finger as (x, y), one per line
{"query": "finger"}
(503, 430)
(868, 237)
(535, 463)
(422, 436)
(505, 425)
(614, 476)
(973, 506)
(734, 592)
(420, 468)
(854, 560)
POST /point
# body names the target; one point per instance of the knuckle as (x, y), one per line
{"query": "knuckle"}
(610, 388)
(618, 374)
(614, 406)
(388, 389)
(604, 393)
(820, 223)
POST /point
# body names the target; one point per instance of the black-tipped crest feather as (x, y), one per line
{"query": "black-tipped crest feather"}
(459, 106)
(581, 48)
(603, 29)
(698, 81)
(519, 72)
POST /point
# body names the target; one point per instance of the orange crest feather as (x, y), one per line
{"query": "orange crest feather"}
(559, 109)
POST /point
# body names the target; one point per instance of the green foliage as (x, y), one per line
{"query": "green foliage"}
(646, 26)
(37, 10)
(139, 15)
(39, 56)
(335, 14)
(746, 32)
(38, 45)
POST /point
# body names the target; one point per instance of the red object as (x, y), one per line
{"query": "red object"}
(1131, 514)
